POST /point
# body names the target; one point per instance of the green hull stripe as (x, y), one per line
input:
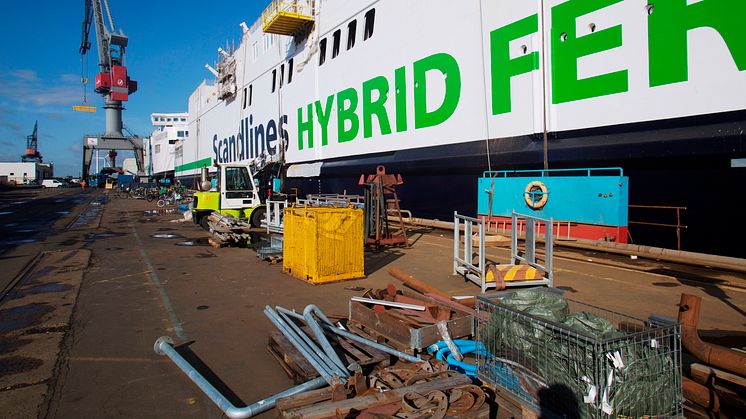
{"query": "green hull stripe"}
(194, 165)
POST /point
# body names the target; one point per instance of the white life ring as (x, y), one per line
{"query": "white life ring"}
(532, 189)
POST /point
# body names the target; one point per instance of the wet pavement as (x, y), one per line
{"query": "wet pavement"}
(140, 285)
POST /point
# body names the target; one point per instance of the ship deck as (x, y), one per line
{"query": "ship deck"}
(136, 286)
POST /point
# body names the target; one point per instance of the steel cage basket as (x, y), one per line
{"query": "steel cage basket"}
(555, 365)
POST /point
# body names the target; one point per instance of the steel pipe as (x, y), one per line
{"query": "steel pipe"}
(714, 355)
(318, 363)
(308, 315)
(375, 345)
(164, 346)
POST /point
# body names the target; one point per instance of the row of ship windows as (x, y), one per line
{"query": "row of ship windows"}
(163, 119)
(370, 17)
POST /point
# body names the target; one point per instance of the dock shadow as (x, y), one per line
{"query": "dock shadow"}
(195, 361)
(375, 261)
(725, 338)
(708, 285)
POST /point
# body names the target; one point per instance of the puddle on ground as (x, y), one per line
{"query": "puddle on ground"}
(38, 289)
(202, 241)
(62, 212)
(6, 212)
(87, 216)
(167, 236)
(202, 307)
(11, 344)
(205, 255)
(10, 225)
(18, 364)
(104, 235)
(17, 318)
(25, 231)
(58, 201)
(16, 242)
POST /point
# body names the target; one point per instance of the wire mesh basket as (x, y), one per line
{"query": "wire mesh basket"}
(571, 359)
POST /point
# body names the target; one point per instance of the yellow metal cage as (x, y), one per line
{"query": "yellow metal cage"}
(323, 244)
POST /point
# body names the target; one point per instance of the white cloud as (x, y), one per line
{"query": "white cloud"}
(24, 87)
(25, 74)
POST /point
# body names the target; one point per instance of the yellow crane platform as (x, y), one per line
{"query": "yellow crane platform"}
(286, 17)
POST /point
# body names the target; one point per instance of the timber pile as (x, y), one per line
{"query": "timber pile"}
(300, 370)
(228, 231)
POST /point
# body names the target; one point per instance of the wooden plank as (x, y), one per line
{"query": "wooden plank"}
(458, 328)
(300, 369)
(334, 409)
(702, 373)
(303, 399)
(382, 323)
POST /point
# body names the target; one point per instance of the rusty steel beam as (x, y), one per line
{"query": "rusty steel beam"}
(425, 288)
(714, 355)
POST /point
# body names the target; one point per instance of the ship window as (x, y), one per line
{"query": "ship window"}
(172, 141)
(183, 119)
(322, 51)
(337, 39)
(245, 93)
(274, 80)
(290, 71)
(251, 93)
(282, 75)
(157, 148)
(370, 18)
(351, 32)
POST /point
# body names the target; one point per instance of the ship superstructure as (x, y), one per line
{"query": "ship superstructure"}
(164, 148)
(441, 91)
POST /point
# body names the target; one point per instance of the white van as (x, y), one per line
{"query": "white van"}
(52, 183)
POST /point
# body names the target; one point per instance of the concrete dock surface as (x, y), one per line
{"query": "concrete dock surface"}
(142, 275)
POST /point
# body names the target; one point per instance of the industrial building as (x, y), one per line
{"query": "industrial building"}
(21, 173)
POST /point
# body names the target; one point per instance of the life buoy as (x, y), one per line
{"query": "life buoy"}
(533, 190)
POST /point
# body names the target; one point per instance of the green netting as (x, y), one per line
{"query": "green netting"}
(583, 354)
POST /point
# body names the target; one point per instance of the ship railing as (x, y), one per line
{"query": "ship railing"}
(678, 226)
(333, 200)
(595, 171)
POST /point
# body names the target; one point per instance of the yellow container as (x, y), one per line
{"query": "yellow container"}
(323, 244)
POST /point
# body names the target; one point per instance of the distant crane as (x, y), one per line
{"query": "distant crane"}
(32, 146)
(112, 82)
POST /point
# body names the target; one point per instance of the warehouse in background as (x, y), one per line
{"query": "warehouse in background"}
(23, 173)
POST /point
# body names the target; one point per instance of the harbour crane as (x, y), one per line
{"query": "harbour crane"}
(32, 146)
(112, 82)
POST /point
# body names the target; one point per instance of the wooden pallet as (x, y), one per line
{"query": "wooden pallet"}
(300, 370)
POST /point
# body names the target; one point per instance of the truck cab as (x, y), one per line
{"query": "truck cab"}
(236, 194)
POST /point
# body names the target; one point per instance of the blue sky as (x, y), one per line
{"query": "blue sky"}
(40, 68)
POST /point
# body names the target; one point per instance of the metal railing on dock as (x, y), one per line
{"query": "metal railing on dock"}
(678, 226)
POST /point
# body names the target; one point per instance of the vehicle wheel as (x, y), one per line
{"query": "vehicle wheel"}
(150, 197)
(258, 216)
(161, 203)
(204, 224)
(44, 186)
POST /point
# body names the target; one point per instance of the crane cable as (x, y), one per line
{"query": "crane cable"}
(84, 76)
